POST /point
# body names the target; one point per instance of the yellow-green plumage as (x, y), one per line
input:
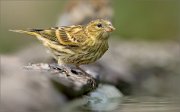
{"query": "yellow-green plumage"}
(75, 44)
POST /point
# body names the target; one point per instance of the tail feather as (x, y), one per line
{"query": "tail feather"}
(19, 31)
(30, 32)
(34, 32)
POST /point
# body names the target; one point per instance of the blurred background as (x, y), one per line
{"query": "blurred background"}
(143, 59)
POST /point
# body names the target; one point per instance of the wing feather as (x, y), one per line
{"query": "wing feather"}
(68, 35)
(73, 35)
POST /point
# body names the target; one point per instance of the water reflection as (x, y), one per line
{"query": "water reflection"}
(151, 104)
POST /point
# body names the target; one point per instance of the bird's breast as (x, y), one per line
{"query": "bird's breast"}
(96, 51)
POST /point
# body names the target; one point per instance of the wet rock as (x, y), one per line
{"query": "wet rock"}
(104, 98)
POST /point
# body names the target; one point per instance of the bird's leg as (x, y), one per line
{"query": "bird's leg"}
(77, 66)
(61, 67)
(68, 68)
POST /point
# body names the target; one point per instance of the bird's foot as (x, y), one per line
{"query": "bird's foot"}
(68, 69)
(58, 67)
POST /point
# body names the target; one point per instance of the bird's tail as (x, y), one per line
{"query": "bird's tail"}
(30, 32)
(35, 32)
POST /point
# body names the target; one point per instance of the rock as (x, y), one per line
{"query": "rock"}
(23, 91)
(69, 80)
(39, 87)
(104, 98)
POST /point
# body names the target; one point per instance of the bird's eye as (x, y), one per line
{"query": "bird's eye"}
(99, 25)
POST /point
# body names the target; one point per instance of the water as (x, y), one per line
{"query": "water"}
(125, 104)
(108, 99)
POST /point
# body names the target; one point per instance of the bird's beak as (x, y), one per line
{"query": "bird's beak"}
(110, 29)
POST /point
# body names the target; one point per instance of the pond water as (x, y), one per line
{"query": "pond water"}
(107, 98)
(124, 104)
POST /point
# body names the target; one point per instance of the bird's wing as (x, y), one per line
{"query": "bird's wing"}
(72, 35)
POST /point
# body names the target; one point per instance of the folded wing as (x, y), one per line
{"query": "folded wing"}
(68, 36)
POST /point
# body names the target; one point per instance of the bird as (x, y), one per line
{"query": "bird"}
(75, 44)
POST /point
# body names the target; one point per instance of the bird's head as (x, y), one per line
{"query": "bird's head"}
(99, 27)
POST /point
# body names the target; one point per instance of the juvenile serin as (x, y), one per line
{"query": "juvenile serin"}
(75, 44)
